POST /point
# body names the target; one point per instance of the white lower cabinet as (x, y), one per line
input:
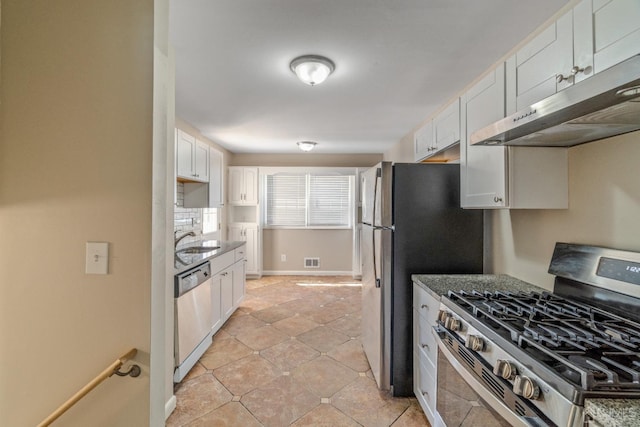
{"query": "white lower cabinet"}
(228, 285)
(249, 233)
(425, 350)
(238, 282)
(226, 293)
(216, 307)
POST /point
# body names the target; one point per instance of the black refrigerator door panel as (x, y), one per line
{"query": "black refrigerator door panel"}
(432, 235)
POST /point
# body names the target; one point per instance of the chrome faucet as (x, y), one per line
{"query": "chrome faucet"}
(175, 233)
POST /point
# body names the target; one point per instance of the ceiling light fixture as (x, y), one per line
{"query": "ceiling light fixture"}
(312, 69)
(306, 145)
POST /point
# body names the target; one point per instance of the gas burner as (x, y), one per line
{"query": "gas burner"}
(594, 367)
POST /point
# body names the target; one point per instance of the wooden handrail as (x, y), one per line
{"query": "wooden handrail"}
(109, 371)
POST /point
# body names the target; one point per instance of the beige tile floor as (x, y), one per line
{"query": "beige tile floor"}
(290, 355)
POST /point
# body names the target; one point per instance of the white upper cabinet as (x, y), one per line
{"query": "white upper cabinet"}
(216, 181)
(192, 158)
(423, 141)
(616, 30)
(201, 161)
(483, 168)
(185, 146)
(446, 127)
(506, 177)
(544, 65)
(243, 186)
(439, 133)
(593, 36)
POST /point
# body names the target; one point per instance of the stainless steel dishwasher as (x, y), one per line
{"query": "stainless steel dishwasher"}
(193, 318)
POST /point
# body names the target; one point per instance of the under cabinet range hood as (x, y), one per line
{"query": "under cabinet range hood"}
(604, 105)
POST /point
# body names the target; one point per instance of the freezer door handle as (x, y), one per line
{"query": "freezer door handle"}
(375, 261)
(375, 203)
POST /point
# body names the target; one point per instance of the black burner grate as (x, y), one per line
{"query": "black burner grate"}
(587, 346)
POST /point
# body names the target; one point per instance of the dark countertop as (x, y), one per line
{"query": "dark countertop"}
(440, 284)
(184, 262)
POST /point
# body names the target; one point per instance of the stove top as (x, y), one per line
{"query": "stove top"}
(591, 348)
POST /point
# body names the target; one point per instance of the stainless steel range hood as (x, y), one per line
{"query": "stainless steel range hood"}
(601, 106)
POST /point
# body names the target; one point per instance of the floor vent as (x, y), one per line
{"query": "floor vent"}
(312, 263)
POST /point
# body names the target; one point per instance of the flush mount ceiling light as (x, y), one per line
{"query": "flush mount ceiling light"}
(312, 69)
(306, 145)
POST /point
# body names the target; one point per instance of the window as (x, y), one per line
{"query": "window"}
(308, 200)
(209, 220)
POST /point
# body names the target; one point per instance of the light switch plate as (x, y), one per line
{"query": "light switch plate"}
(97, 258)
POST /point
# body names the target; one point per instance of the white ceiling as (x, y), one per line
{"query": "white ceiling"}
(396, 62)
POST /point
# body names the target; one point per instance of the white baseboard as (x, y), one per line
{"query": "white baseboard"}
(306, 273)
(170, 406)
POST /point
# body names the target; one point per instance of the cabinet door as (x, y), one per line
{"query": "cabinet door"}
(236, 233)
(423, 141)
(483, 168)
(201, 161)
(216, 306)
(185, 146)
(250, 186)
(539, 63)
(238, 282)
(251, 237)
(236, 191)
(616, 31)
(446, 127)
(216, 184)
(226, 293)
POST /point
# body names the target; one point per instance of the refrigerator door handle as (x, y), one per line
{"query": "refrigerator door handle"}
(375, 203)
(375, 260)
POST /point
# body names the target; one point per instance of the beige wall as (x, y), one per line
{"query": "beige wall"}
(333, 247)
(75, 166)
(306, 159)
(402, 151)
(604, 210)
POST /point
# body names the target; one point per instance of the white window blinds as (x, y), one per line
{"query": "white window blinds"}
(286, 200)
(329, 200)
(308, 200)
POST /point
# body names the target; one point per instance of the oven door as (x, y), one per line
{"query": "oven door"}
(462, 396)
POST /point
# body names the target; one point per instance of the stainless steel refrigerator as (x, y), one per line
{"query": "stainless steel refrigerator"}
(412, 223)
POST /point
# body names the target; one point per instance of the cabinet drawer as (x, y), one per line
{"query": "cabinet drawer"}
(221, 262)
(425, 304)
(240, 253)
(425, 384)
(423, 339)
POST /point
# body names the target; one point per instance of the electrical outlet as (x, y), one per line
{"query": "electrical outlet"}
(283, 257)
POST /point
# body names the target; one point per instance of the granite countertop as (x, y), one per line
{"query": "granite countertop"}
(614, 412)
(440, 284)
(184, 262)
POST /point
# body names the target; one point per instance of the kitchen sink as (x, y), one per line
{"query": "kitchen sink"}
(197, 249)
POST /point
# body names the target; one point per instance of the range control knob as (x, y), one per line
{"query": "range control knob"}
(452, 324)
(474, 343)
(443, 315)
(526, 387)
(505, 369)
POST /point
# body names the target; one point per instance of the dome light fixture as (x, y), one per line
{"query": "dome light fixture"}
(312, 69)
(306, 146)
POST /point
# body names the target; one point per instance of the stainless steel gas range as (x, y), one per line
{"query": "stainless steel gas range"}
(534, 358)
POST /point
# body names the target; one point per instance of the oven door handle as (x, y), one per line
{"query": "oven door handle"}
(496, 404)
